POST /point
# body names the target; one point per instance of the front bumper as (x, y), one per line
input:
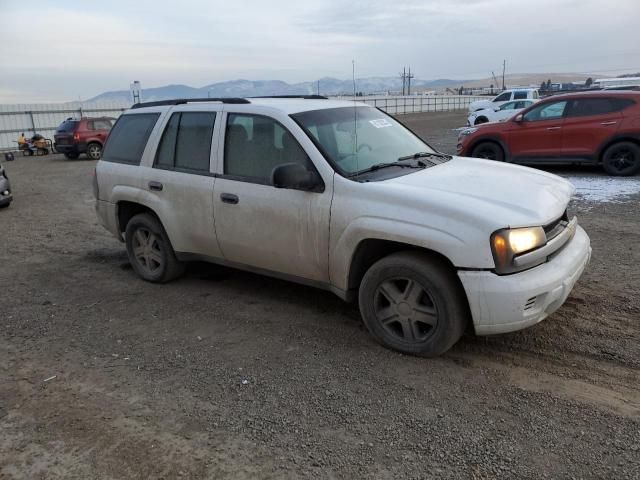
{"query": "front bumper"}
(501, 304)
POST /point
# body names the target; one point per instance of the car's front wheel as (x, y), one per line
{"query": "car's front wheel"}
(413, 303)
(622, 159)
(480, 120)
(489, 151)
(94, 151)
(150, 251)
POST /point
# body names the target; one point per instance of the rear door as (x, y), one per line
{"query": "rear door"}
(539, 135)
(179, 180)
(589, 122)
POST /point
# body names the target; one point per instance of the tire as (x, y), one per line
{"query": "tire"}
(94, 151)
(150, 251)
(481, 120)
(488, 151)
(622, 159)
(6, 205)
(71, 156)
(413, 303)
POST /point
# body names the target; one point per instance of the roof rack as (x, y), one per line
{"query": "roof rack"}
(306, 97)
(182, 101)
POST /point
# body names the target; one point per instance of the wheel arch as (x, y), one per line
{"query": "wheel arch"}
(623, 137)
(493, 139)
(126, 210)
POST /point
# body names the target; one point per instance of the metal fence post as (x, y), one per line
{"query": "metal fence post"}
(33, 123)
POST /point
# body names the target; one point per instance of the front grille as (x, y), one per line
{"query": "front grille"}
(556, 227)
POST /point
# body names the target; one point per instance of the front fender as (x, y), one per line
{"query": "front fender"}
(411, 234)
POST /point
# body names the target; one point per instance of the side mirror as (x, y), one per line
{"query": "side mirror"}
(296, 177)
(518, 118)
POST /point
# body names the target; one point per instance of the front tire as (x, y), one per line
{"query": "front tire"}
(150, 251)
(488, 151)
(621, 159)
(481, 120)
(413, 303)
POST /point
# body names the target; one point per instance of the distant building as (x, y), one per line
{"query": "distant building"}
(617, 82)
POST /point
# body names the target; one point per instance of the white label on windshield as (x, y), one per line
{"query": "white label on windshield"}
(381, 123)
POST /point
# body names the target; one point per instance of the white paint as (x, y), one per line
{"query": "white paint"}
(605, 189)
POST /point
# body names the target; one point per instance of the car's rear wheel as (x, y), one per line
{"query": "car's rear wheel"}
(622, 159)
(71, 155)
(489, 151)
(413, 303)
(150, 251)
(94, 151)
(480, 120)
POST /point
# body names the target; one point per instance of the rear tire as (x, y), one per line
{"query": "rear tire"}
(488, 151)
(71, 156)
(150, 251)
(622, 159)
(94, 151)
(413, 303)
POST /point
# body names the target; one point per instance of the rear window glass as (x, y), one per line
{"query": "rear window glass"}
(520, 95)
(186, 142)
(67, 126)
(128, 138)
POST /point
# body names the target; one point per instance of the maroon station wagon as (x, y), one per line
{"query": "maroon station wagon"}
(84, 135)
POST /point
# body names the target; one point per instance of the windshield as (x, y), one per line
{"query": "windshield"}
(356, 138)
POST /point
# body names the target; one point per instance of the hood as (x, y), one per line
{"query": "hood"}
(503, 195)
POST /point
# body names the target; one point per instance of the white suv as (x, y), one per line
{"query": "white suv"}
(341, 196)
(504, 97)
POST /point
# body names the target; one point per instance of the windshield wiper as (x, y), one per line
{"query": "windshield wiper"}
(425, 154)
(378, 166)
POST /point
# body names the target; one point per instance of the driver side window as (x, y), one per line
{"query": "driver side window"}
(254, 145)
(548, 111)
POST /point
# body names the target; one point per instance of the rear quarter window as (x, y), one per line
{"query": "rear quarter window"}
(67, 126)
(128, 138)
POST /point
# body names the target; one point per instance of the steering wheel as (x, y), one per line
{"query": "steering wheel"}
(362, 145)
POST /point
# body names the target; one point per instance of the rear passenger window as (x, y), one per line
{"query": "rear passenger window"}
(129, 137)
(597, 106)
(186, 142)
(254, 145)
(519, 95)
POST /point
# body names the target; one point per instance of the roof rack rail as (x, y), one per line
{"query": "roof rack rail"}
(306, 97)
(182, 101)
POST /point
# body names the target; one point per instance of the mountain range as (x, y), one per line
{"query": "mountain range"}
(253, 88)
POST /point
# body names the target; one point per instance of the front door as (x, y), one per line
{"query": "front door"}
(539, 134)
(261, 226)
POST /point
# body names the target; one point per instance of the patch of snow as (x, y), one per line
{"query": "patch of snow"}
(605, 189)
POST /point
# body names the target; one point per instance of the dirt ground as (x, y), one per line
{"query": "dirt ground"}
(225, 374)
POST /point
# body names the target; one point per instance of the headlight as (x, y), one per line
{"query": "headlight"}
(467, 131)
(508, 243)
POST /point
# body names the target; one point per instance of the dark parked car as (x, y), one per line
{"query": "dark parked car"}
(5, 189)
(591, 127)
(84, 135)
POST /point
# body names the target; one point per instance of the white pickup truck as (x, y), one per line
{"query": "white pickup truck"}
(504, 97)
(341, 196)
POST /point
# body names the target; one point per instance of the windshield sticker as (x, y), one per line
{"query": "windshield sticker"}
(381, 123)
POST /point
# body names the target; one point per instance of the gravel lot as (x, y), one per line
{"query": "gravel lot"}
(225, 374)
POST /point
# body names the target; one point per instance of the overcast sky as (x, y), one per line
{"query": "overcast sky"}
(64, 50)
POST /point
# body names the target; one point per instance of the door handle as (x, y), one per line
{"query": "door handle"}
(229, 198)
(554, 128)
(155, 186)
(608, 123)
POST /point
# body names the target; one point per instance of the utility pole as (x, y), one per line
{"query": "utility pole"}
(403, 75)
(409, 77)
(318, 87)
(504, 66)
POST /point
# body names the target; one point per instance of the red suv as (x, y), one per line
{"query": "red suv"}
(600, 127)
(86, 135)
